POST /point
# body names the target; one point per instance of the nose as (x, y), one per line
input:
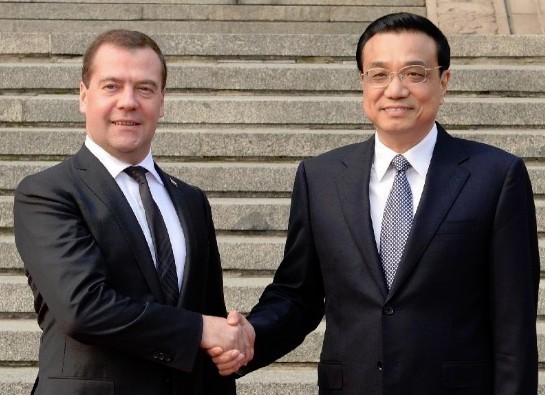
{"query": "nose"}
(128, 100)
(396, 88)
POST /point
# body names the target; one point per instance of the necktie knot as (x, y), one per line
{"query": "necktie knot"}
(400, 163)
(138, 173)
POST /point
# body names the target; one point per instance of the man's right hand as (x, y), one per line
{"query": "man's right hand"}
(230, 342)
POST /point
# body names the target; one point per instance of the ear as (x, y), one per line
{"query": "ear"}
(162, 109)
(445, 78)
(82, 98)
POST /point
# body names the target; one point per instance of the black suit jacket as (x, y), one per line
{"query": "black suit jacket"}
(97, 293)
(460, 317)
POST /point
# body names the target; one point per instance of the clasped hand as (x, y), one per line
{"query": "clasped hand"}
(230, 342)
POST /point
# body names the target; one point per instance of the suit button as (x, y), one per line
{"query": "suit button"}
(388, 310)
(161, 356)
(379, 365)
(155, 355)
(167, 358)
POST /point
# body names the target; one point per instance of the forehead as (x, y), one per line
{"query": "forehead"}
(403, 48)
(111, 59)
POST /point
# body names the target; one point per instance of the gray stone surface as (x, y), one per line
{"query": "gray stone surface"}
(194, 12)
(168, 27)
(286, 76)
(265, 143)
(284, 110)
(414, 3)
(279, 380)
(241, 293)
(27, 43)
(248, 214)
(16, 296)
(20, 340)
(221, 177)
(233, 214)
(272, 12)
(71, 11)
(17, 380)
(470, 47)
(275, 380)
(9, 257)
(238, 253)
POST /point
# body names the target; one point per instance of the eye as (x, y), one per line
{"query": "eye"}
(377, 74)
(110, 87)
(414, 73)
(146, 90)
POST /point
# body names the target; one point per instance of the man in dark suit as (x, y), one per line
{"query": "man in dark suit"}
(121, 257)
(428, 289)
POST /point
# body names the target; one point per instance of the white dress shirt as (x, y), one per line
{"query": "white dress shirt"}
(382, 175)
(129, 187)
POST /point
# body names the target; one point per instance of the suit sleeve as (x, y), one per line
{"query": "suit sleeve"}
(515, 275)
(293, 305)
(68, 274)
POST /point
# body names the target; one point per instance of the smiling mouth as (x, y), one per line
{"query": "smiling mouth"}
(125, 123)
(396, 109)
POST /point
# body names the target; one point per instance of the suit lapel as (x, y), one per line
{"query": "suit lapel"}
(353, 190)
(444, 181)
(97, 178)
(184, 215)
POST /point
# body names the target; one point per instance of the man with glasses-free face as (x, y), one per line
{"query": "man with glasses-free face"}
(420, 248)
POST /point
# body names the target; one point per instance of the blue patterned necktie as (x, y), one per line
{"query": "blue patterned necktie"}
(164, 258)
(397, 220)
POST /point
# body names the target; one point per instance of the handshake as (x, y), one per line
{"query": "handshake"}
(229, 342)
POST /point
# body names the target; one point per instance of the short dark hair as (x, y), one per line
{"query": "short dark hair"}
(406, 22)
(128, 39)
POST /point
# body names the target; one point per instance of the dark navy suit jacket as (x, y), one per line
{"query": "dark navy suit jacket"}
(460, 317)
(106, 329)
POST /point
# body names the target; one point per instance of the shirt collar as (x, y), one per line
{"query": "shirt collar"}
(116, 166)
(418, 156)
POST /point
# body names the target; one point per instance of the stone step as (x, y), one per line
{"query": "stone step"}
(224, 177)
(413, 3)
(275, 380)
(182, 27)
(195, 12)
(274, 76)
(471, 48)
(20, 340)
(238, 253)
(247, 142)
(279, 110)
(241, 293)
(243, 214)
(233, 214)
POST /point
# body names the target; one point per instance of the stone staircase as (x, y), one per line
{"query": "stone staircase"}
(247, 99)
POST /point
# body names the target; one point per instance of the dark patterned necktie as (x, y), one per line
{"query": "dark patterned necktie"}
(164, 257)
(397, 220)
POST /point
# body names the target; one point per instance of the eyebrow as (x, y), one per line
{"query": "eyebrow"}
(409, 63)
(143, 82)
